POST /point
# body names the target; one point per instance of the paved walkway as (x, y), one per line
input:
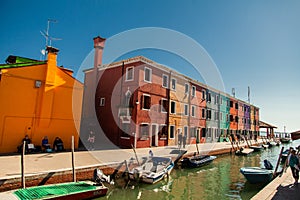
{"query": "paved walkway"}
(51, 162)
(281, 188)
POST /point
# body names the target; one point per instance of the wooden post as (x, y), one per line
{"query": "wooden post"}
(231, 143)
(278, 161)
(23, 165)
(197, 148)
(135, 154)
(247, 141)
(73, 161)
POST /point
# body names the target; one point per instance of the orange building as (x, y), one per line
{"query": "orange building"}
(37, 99)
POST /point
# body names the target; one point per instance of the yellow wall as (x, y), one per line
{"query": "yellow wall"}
(47, 110)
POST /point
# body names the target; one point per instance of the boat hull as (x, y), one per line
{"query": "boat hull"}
(197, 161)
(61, 191)
(285, 140)
(256, 174)
(150, 176)
(295, 135)
(256, 148)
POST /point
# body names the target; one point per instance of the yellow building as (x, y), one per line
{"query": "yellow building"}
(38, 98)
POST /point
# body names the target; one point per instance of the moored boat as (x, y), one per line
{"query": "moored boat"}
(153, 170)
(256, 148)
(295, 135)
(197, 160)
(258, 174)
(62, 191)
(285, 140)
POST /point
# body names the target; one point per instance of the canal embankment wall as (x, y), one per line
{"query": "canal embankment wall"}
(52, 168)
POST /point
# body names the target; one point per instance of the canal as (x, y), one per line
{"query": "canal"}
(218, 180)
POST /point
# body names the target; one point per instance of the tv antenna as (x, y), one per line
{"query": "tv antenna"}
(48, 38)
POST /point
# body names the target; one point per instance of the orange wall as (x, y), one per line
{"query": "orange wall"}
(47, 110)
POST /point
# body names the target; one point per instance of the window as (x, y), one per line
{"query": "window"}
(186, 109)
(146, 102)
(144, 131)
(208, 97)
(163, 132)
(193, 111)
(236, 106)
(231, 104)
(227, 118)
(102, 101)
(186, 88)
(173, 107)
(125, 130)
(193, 91)
(172, 132)
(193, 132)
(203, 113)
(129, 74)
(217, 99)
(228, 103)
(208, 114)
(236, 119)
(221, 100)
(231, 118)
(147, 74)
(185, 131)
(217, 115)
(164, 105)
(221, 116)
(165, 81)
(173, 84)
(203, 94)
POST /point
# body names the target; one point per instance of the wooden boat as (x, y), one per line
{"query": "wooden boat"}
(256, 148)
(257, 174)
(244, 151)
(62, 191)
(153, 170)
(285, 140)
(272, 144)
(295, 135)
(197, 160)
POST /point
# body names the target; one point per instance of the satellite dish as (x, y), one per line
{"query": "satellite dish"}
(43, 52)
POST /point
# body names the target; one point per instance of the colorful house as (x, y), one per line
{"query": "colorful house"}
(138, 102)
(37, 99)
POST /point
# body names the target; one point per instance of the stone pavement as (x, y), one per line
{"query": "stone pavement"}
(43, 163)
(281, 188)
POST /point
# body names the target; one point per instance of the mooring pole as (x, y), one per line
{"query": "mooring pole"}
(23, 165)
(73, 161)
(278, 161)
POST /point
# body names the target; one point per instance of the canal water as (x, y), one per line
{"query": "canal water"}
(218, 180)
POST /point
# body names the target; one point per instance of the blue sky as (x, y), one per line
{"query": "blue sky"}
(253, 43)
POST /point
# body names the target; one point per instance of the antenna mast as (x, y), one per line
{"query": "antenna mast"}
(47, 36)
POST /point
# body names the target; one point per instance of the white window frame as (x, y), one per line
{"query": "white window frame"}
(186, 131)
(186, 88)
(186, 109)
(174, 84)
(203, 94)
(162, 108)
(150, 75)
(148, 95)
(193, 91)
(174, 131)
(127, 70)
(102, 101)
(193, 114)
(171, 107)
(165, 75)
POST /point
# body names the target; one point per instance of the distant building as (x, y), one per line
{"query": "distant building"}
(37, 99)
(138, 102)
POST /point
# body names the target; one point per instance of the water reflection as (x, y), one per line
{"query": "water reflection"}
(219, 180)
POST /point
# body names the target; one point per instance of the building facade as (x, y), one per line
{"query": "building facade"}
(37, 99)
(140, 103)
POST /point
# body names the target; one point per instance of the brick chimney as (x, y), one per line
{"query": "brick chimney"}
(99, 44)
(52, 65)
